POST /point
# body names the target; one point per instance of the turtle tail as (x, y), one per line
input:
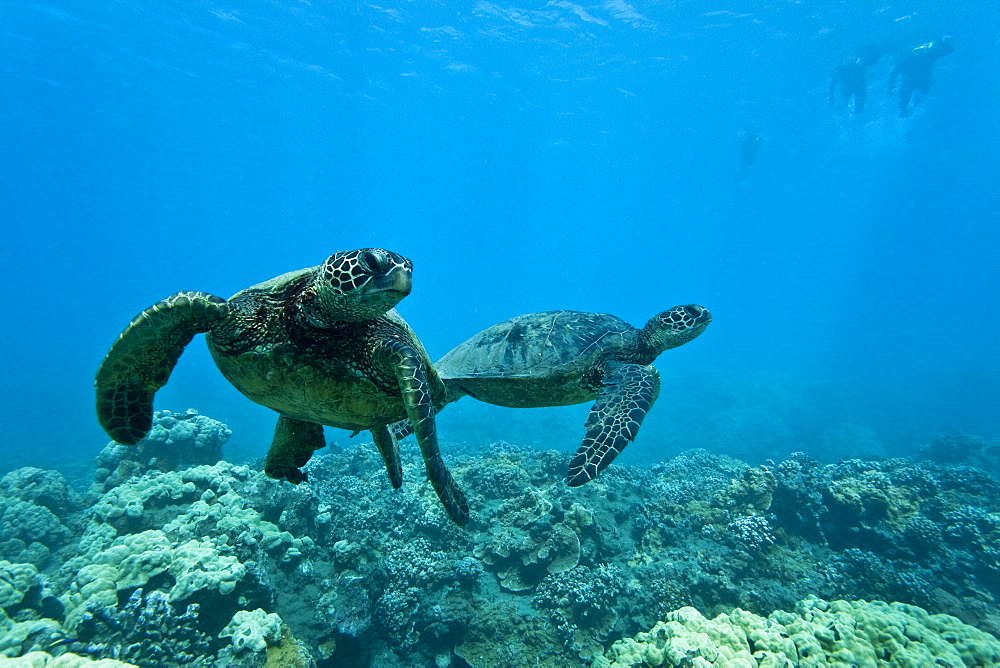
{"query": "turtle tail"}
(140, 361)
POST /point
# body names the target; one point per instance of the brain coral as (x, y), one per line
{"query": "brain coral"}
(29, 532)
(176, 440)
(818, 633)
(20, 637)
(48, 489)
(132, 560)
(15, 582)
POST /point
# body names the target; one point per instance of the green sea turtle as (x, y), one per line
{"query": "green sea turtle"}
(321, 346)
(558, 358)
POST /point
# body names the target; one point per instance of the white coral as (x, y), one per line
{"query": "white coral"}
(253, 630)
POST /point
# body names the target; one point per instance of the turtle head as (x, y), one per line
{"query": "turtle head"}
(676, 326)
(357, 285)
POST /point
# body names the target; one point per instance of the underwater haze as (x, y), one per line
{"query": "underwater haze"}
(825, 455)
(550, 156)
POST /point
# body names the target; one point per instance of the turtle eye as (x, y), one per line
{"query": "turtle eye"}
(374, 262)
(692, 310)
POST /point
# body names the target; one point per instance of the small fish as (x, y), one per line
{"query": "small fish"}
(60, 643)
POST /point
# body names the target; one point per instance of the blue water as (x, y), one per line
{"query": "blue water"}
(549, 156)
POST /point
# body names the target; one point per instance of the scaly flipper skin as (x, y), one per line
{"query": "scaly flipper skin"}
(141, 360)
(291, 448)
(389, 450)
(628, 393)
(419, 405)
(401, 429)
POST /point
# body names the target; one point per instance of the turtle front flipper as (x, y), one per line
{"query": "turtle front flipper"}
(291, 448)
(416, 392)
(628, 394)
(389, 450)
(140, 361)
(403, 428)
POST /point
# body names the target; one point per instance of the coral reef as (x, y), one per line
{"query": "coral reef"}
(145, 631)
(176, 440)
(46, 660)
(217, 564)
(965, 449)
(39, 513)
(818, 633)
(252, 631)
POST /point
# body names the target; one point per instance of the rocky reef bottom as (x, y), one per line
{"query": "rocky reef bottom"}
(699, 561)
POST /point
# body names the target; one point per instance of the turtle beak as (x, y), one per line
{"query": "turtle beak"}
(399, 280)
(402, 280)
(700, 314)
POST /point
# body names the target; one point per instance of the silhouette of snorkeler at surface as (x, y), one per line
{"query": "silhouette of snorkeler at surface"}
(852, 77)
(749, 150)
(914, 71)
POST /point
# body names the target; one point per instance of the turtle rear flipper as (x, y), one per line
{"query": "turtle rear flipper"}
(628, 394)
(291, 448)
(140, 361)
(389, 450)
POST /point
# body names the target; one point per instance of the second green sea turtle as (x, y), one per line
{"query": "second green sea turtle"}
(559, 358)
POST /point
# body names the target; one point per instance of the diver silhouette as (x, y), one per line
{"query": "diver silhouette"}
(749, 150)
(914, 71)
(852, 77)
